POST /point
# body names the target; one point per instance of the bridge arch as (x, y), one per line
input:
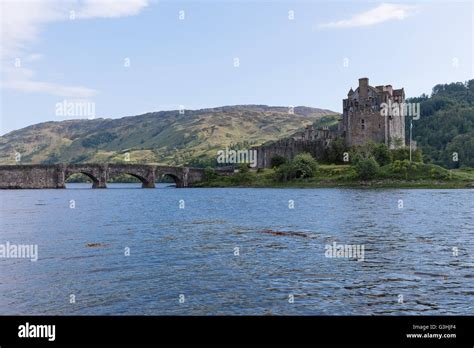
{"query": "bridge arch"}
(178, 182)
(95, 181)
(146, 183)
(96, 172)
(144, 173)
(174, 173)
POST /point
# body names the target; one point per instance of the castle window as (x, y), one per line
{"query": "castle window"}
(362, 124)
(379, 125)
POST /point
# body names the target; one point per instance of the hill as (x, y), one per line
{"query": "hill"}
(166, 137)
(446, 125)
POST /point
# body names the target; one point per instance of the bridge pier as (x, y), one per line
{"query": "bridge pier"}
(150, 179)
(60, 176)
(99, 184)
(150, 184)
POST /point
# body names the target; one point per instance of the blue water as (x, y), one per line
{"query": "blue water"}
(191, 251)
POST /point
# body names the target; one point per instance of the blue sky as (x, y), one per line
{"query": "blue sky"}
(190, 62)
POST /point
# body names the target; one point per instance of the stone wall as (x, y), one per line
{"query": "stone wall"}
(28, 176)
(289, 148)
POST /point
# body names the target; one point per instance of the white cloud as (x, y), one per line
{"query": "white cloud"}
(111, 8)
(22, 79)
(21, 22)
(379, 14)
(34, 57)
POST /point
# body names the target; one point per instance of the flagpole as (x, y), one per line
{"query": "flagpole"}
(411, 126)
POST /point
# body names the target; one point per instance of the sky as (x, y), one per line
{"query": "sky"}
(129, 57)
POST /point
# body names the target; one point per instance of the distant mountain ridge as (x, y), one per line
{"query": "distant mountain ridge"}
(167, 137)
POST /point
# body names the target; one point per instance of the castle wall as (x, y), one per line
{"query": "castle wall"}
(289, 148)
(397, 130)
(366, 126)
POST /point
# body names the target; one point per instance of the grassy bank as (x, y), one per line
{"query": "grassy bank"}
(414, 176)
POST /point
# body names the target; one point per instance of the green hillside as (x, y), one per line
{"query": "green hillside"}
(446, 125)
(166, 137)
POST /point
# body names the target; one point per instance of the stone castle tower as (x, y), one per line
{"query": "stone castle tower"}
(362, 119)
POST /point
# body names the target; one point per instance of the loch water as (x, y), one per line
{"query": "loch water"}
(237, 251)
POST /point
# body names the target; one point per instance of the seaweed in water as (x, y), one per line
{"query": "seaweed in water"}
(286, 233)
(95, 245)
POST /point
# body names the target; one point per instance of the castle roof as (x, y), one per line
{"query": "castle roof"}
(373, 89)
(378, 90)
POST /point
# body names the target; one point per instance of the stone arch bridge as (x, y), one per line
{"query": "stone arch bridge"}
(55, 175)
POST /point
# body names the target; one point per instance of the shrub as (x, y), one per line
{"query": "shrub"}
(304, 165)
(381, 154)
(209, 174)
(440, 173)
(243, 168)
(278, 160)
(284, 172)
(404, 154)
(400, 167)
(243, 176)
(407, 168)
(361, 152)
(416, 170)
(367, 168)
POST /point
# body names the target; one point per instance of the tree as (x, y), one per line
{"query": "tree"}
(382, 154)
(447, 114)
(367, 168)
(209, 174)
(304, 165)
(335, 152)
(285, 172)
(278, 160)
(243, 176)
(460, 151)
(404, 154)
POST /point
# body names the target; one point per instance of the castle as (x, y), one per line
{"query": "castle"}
(362, 121)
